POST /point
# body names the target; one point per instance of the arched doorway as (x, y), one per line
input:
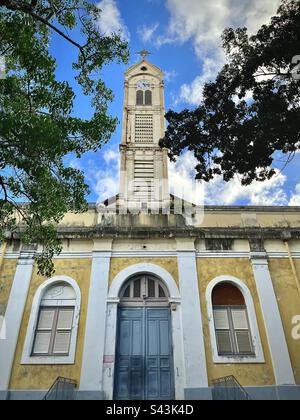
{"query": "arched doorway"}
(144, 357)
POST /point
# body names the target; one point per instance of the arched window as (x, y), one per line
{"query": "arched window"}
(148, 98)
(55, 322)
(144, 98)
(143, 289)
(52, 330)
(140, 98)
(232, 319)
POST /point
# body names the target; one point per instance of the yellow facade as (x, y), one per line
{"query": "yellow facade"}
(119, 264)
(7, 272)
(42, 377)
(246, 374)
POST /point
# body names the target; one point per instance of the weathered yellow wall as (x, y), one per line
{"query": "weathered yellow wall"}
(248, 374)
(289, 304)
(7, 273)
(42, 377)
(119, 264)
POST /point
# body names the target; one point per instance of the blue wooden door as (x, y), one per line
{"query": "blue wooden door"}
(144, 365)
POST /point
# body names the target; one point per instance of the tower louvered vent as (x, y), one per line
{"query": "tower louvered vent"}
(144, 128)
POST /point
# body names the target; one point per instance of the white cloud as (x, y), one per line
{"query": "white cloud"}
(147, 33)
(295, 198)
(203, 22)
(268, 193)
(75, 164)
(170, 75)
(111, 20)
(192, 93)
(104, 182)
(218, 192)
(111, 155)
(182, 179)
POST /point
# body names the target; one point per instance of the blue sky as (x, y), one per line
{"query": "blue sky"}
(184, 37)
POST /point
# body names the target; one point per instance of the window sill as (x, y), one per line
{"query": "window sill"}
(235, 360)
(48, 360)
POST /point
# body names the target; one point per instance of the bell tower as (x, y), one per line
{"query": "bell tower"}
(144, 165)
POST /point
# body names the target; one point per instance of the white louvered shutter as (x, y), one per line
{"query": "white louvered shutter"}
(242, 331)
(42, 343)
(46, 319)
(221, 319)
(222, 327)
(63, 333)
(44, 331)
(62, 343)
(224, 342)
(239, 318)
(244, 342)
(65, 319)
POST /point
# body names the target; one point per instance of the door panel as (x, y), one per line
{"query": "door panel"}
(130, 369)
(144, 366)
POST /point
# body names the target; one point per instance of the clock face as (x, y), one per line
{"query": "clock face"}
(144, 84)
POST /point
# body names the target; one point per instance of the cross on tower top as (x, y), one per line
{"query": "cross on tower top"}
(143, 54)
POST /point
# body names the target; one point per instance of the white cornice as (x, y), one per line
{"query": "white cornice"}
(148, 254)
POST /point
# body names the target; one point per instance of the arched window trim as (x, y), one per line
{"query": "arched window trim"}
(143, 299)
(27, 358)
(258, 349)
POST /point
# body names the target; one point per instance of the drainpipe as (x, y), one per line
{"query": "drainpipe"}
(2, 253)
(292, 265)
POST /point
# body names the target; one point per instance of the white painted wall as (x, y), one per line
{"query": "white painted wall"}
(192, 327)
(278, 347)
(92, 363)
(14, 315)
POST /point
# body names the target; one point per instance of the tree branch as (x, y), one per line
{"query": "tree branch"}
(4, 189)
(28, 9)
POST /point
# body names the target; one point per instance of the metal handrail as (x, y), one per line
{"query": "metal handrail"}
(228, 388)
(63, 389)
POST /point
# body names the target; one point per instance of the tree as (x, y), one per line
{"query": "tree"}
(251, 110)
(37, 126)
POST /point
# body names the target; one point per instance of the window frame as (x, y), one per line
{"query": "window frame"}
(258, 352)
(54, 331)
(27, 357)
(233, 331)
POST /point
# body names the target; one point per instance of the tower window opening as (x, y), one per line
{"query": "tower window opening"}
(144, 98)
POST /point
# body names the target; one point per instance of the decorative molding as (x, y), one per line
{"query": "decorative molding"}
(259, 354)
(145, 253)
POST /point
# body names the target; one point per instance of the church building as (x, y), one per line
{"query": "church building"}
(153, 297)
